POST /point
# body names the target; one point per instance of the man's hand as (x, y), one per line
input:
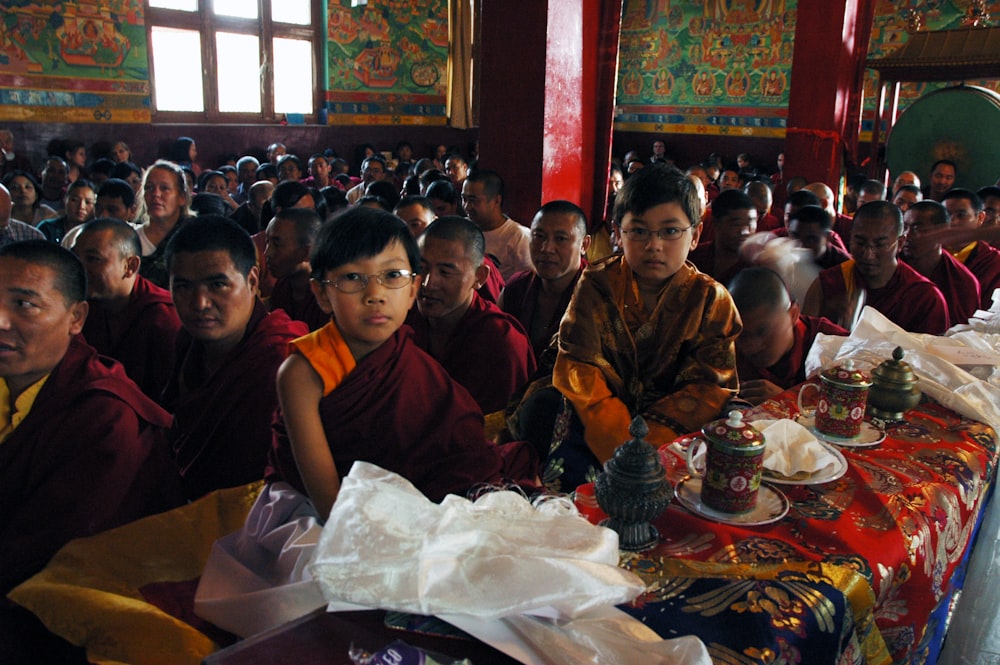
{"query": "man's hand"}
(758, 390)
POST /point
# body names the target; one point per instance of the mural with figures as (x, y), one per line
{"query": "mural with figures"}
(717, 67)
(83, 61)
(723, 67)
(388, 62)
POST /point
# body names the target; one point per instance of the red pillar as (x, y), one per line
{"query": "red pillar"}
(824, 104)
(546, 100)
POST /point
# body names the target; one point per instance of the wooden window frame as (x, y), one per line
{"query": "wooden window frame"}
(207, 24)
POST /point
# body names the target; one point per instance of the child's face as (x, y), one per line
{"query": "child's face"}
(368, 318)
(768, 334)
(655, 259)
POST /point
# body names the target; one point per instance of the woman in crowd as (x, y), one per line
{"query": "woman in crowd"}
(81, 197)
(26, 200)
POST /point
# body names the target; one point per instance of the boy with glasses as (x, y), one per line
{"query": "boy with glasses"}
(645, 334)
(357, 389)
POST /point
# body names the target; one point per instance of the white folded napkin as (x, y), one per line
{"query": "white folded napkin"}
(791, 450)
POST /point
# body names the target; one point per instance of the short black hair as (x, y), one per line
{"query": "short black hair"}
(802, 198)
(730, 200)
(988, 191)
(123, 170)
(71, 278)
(968, 195)
(306, 221)
(117, 188)
(944, 162)
(756, 287)
(126, 239)
(881, 211)
(209, 234)
(655, 184)
(937, 213)
(360, 233)
(443, 190)
(414, 200)
(562, 207)
(289, 192)
(491, 181)
(102, 166)
(812, 214)
(460, 229)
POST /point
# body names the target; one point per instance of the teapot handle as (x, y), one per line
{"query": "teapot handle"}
(695, 444)
(802, 390)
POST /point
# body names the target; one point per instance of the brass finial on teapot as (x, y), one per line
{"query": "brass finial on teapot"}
(633, 490)
(894, 388)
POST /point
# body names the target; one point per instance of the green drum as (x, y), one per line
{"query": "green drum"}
(961, 123)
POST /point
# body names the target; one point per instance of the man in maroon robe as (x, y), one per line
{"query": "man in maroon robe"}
(222, 392)
(290, 237)
(131, 319)
(877, 278)
(539, 297)
(771, 350)
(958, 285)
(82, 447)
(483, 348)
(966, 211)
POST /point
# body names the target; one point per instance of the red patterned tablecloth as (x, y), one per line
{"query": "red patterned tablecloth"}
(903, 516)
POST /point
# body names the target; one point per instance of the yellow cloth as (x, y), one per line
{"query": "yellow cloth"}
(675, 366)
(11, 418)
(850, 284)
(89, 591)
(963, 254)
(328, 353)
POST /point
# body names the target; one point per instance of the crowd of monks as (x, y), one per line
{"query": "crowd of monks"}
(139, 350)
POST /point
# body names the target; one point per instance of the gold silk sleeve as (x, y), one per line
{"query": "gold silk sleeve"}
(605, 418)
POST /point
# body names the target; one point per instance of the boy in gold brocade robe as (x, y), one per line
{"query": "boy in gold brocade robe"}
(645, 334)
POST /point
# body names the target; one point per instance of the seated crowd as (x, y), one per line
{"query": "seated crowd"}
(288, 319)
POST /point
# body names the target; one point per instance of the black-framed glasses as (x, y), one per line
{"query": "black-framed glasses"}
(356, 282)
(640, 234)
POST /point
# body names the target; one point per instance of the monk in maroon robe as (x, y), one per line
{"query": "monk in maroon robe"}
(956, 282)
(538, 298)
(400, 410)
(771, 350)
(222, 392)
(966, 211)
(483, 348)
(131, 319)
(876, 277)
(735, 220)
(82, 447)
(290, 237)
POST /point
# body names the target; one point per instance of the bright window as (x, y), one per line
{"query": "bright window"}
(230, 60)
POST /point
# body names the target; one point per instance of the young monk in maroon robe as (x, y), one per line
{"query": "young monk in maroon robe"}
(734, 218)
(876, 277)
(958, 285)
(222, 390)
(483, 348)
(81, 447)
(539, 297)
(771, 350)
(357, 389)
(290, 238)
(131, 319)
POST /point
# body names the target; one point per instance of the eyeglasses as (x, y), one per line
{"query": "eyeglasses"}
(878, 247)
(669, 234)
(355, 282)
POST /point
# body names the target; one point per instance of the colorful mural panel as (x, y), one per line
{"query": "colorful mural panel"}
(715, 67)
(73, 62)
(889, 34)
(388, 62)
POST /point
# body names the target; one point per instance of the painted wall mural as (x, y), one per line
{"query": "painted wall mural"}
(388, 62)
(83, 61)
(889, 34)
(717, 67)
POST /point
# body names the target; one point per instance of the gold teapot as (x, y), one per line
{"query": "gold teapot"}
(894, 388)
